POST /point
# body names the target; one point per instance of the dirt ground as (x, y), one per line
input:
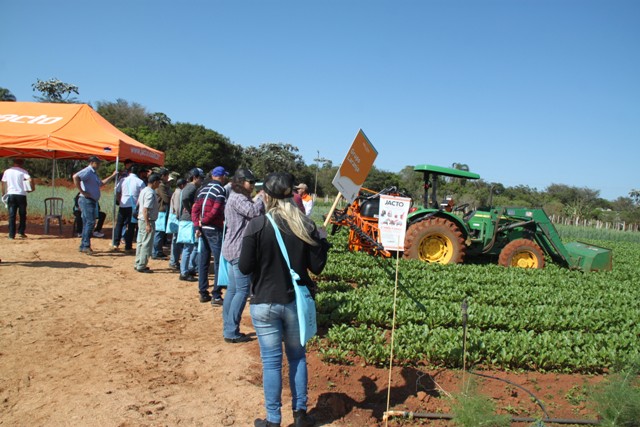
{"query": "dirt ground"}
(87, 341)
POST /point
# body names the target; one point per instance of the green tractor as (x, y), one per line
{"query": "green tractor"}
(448, 234)
(519, 237)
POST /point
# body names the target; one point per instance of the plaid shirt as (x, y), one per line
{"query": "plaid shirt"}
(238, 211)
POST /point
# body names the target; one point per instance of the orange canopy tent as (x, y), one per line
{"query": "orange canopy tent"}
(66, 131)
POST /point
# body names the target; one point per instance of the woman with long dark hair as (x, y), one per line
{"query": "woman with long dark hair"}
(238, 211)
(273, 306)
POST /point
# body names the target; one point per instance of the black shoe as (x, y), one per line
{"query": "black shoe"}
(144, 270)
(241, 338)
(217, 301)
(205, 298)
(264, 423)
(159, 256)
(302, 419)
(188, 278)
(174, 266)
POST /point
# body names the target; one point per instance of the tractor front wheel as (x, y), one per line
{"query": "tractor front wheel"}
(435, 240)
(522, 253)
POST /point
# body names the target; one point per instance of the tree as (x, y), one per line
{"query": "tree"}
(6, 95)
(272, 157)
(54, 90)
(635, 195)
(123, 114)
(187, 146)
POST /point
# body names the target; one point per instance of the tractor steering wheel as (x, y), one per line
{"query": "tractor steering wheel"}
(463, 207)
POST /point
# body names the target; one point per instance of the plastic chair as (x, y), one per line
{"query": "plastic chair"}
(53, 210)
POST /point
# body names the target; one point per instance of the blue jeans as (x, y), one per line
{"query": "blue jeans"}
(17, 205)
(188, 260)
(89, 210)
(235, 300)
(211, 245)
(158, 242)
(176, 250)
(275, 323)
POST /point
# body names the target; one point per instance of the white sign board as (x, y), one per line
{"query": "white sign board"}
(392, 221)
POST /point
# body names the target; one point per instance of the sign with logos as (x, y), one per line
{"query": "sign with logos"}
(392, 221)
(355, 167)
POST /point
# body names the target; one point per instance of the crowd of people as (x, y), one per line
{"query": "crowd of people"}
(227, 219)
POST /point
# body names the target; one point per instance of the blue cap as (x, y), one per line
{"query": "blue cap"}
(219, 171)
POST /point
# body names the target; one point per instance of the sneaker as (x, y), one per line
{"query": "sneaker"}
(87, 251)
(159, 256)
(217, 301)
(188, 278)
(205, 298)
(241, 338)
(98, 234)
(22, 236)
(144, 270)
(130, 251)
(302, 419)
(114, 248)
(174, 266)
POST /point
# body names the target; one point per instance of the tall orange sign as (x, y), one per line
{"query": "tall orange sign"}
(355, 167)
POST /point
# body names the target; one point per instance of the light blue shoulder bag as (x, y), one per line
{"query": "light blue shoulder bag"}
(305, 304)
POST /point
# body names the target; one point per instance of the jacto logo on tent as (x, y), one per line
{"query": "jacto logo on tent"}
(42, 119)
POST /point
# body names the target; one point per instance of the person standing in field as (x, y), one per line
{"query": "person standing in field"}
(208, 219)
(307, 200)
(238, 211)
(88, 183)
(164, 198)
(147, 215)
(16, 183)
(273, 306)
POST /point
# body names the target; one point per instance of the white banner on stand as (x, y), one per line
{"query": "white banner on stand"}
(392, 221)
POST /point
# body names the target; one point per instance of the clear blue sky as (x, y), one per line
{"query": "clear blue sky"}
(526, 92)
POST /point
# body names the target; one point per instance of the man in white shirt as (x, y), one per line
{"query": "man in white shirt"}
(16, 182)
(127, 192)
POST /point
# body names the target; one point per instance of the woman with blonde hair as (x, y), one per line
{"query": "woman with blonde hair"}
(273, 306)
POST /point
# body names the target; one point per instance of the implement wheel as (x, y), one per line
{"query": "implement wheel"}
(522, 253)
(435, 240)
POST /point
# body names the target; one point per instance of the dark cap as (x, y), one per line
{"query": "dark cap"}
(196, 173)
(219, 171)
(162, 171)
(153, 178)
(180, 182)
(95, 159)
(279, 185)
(245, 174)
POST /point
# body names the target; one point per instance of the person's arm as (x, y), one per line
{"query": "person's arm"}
(250, 209)
(32, 183)
(78, 183)
(109, 178)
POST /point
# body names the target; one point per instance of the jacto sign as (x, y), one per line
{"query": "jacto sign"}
(42, 119)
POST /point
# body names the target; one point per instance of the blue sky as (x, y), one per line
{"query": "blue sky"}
(526, 92)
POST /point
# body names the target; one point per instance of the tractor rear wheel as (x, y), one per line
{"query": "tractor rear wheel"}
(435, 240)
(522, 253)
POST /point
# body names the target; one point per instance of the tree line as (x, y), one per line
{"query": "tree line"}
(188, 145)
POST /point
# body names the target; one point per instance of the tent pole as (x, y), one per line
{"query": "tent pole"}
(113, 213)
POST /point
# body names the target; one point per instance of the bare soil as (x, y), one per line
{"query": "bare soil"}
(87, 341)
